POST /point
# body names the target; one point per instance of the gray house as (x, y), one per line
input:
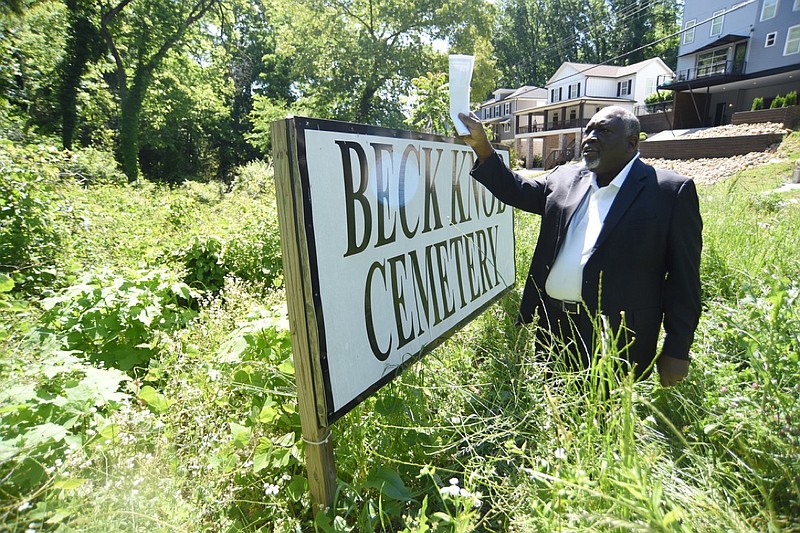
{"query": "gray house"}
(498, 111)
(730, 53)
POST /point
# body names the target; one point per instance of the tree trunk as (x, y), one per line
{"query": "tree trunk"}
(365, 104)
(83, 46)
(130, 108)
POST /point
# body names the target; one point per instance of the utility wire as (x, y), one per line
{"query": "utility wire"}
(626, 14)
(679, 32)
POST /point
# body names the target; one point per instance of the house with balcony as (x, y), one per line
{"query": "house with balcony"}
(730, 53)
(576, 92)
(502, 112)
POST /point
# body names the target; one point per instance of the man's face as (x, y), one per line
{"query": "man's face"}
(606, 147)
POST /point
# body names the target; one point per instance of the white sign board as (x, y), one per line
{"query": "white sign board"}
(404, 247)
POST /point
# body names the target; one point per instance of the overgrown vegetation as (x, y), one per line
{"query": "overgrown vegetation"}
(146, 380)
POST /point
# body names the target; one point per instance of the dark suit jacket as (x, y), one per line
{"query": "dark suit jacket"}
(647, 258)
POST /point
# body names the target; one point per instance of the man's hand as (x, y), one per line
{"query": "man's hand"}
(671, 370)
(477, 136)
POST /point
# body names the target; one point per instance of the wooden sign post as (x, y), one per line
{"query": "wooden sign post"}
(389, 246)
(320, 465)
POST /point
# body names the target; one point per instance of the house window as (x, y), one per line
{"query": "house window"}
(688, 31)
(716, 22)
(712, 63)
(771, 39)
(624, 88)
(573, 115)
(768, 9)
(792, 41)
(507, 110)
(575, 90)
(507, 127)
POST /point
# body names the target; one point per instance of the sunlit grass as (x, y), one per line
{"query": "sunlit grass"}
(532, 448)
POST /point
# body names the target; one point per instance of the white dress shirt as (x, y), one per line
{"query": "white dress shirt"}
(566, 276)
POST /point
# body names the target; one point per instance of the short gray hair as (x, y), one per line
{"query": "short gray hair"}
(629, 120)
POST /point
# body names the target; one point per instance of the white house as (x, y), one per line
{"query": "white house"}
(577, 91)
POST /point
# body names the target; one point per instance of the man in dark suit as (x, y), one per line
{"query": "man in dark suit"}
(618, 238)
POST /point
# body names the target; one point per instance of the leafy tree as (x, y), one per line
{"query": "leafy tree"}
(534, 37)
(638, 23)
(249, 36)
(265, 111)
(139, 35)
(84, 44)
(430, 104)
(13, 6)
(354, 58)
(185, 115)
(31, 45)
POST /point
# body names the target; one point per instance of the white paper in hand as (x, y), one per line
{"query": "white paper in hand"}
(460, 78)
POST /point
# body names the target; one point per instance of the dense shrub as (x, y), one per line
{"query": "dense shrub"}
(255, 180)
(54, 410)
(777, 102)
(658, 96)
(790, 98)
(116, 320)
(252, 254)
(89, 166)
(29, 224)
(758, 103)
(204, 267)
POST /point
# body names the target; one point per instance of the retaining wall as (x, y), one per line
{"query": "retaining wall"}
(708, 148)
(788, 116)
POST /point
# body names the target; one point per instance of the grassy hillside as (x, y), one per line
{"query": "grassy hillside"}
(146, 380)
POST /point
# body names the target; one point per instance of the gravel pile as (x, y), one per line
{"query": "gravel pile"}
(708, 171)
(714, 170)
(735, 130)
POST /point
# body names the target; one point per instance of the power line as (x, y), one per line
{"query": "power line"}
(628, 13)
(634, 12)
(679, 32)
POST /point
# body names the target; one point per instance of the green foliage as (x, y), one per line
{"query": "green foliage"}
(778, 101)
(30, 229)
(254, 255)
(430, 104)
(255, 180)
(658, 97)
(31, 46)
(265, 111)
(758, 103)
(352, 61)
(186, 116)
(791, 98)
(92, 167)
(117, 321)
(203, 262)
(54, 409)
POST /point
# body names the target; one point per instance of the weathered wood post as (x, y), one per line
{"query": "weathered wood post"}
(316, 436)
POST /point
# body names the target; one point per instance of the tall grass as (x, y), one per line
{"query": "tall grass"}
(481, 435)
